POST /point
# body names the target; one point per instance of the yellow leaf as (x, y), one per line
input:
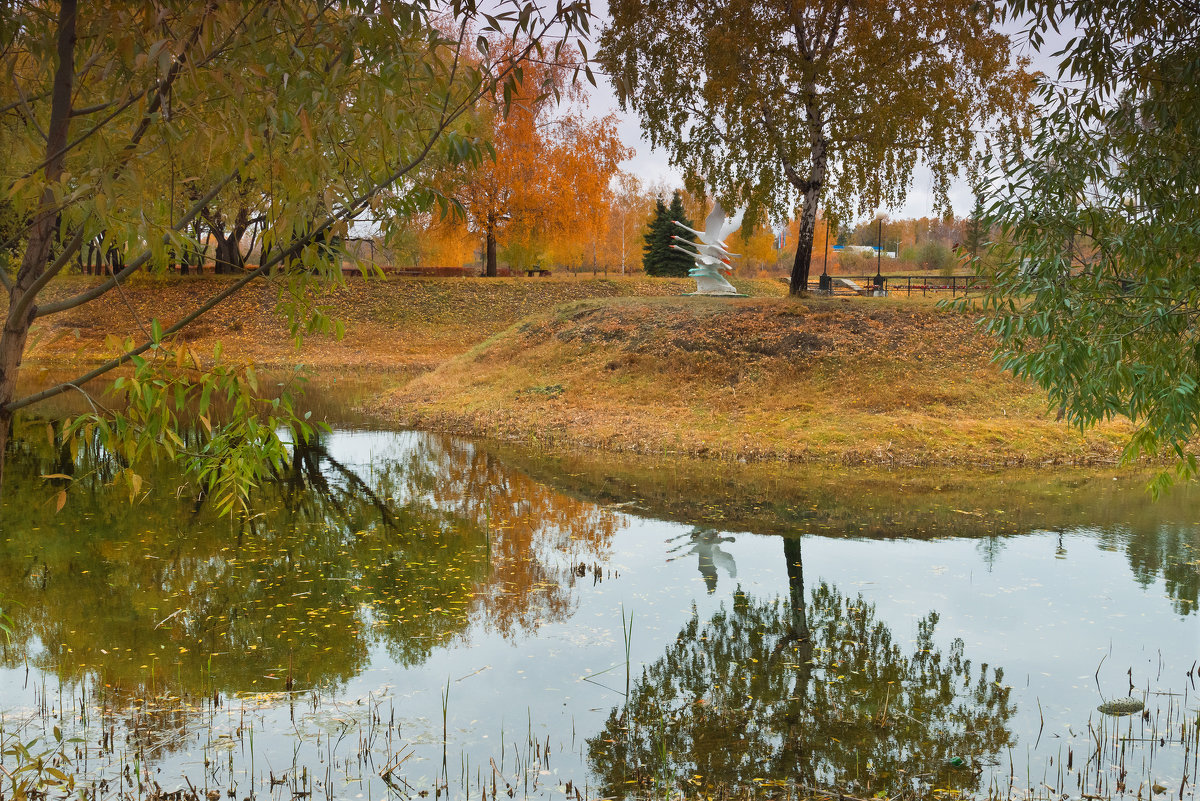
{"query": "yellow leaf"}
(306, 125)
(61, 502)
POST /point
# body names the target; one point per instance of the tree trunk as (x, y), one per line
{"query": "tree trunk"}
(811, 190)
(794, 740)
(21, 307)
(490, 268)
(795, 572)
(804, 245)
(201, 249)
(227, 256)
(95, 258)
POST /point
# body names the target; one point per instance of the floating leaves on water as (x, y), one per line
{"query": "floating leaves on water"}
(1121, 706)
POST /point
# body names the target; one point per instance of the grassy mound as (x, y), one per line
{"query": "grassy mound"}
(400, 325)
(834, 380)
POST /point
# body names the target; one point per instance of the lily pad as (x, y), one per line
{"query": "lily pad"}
(1121, 706)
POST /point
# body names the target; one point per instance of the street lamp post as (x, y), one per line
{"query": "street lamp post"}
(826, 281)
(878, 281)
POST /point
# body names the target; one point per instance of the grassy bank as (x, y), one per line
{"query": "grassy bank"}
(406, 325)
(843, 380)
(626, 364)
(873, 502)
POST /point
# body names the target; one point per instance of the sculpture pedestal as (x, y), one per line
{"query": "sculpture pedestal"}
(709, 281)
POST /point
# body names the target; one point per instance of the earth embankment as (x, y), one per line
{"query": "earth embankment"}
(626, 365)
(840, 380)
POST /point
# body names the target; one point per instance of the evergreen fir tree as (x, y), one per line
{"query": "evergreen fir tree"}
(658, 257)
(975, 233)
(657, 240)
(678, 262)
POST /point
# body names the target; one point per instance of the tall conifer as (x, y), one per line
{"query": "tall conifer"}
(652, 251)
(659, 258)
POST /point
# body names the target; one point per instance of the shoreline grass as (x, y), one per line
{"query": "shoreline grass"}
(627, 365)
(836, 381)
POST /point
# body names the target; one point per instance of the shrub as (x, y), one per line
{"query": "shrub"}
(936, 256)
(851, 262)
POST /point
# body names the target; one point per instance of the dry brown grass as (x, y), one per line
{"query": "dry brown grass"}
(399, 324)
(839, 380)
(628, 365)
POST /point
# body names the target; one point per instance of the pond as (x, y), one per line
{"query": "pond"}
(410, 615)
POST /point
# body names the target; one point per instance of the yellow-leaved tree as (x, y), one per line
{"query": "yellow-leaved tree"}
(758, 249)
(779, 103)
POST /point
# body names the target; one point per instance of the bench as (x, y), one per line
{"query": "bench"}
(536, 271)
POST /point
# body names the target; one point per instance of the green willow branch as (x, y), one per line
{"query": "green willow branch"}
(135, 265)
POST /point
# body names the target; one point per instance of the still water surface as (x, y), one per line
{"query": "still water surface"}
(409, 614)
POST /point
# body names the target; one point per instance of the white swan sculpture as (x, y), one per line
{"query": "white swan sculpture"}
(711, 256)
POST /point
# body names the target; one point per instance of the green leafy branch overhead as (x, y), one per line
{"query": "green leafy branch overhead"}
(124, 125)
(1096, 285)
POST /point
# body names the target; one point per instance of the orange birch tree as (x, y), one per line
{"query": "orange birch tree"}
(545, 193)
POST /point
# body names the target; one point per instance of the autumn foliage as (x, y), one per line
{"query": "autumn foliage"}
(544, 196)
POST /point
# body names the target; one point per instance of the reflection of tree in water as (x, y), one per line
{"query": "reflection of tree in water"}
(1155, 550)
(333, 559)
(769, 690)
(1161, 537)
(539, 537)
(1166, 551)
(990, 548)
(164, 593)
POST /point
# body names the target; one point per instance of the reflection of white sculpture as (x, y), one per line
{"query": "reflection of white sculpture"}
(712, 257)
(706, 544)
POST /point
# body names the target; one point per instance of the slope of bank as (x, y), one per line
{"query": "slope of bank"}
(405, 325)
(840, 380)
(868, 501)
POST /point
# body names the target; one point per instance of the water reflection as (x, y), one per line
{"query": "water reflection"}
(1169, 550)
(382, 570)
(402, 548)
(540, 540)
(706, 546)
(1160, 538)
(776, 691)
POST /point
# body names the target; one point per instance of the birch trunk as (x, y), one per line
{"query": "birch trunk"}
(810, 188)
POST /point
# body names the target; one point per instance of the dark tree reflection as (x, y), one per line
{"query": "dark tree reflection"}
(817, 694)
